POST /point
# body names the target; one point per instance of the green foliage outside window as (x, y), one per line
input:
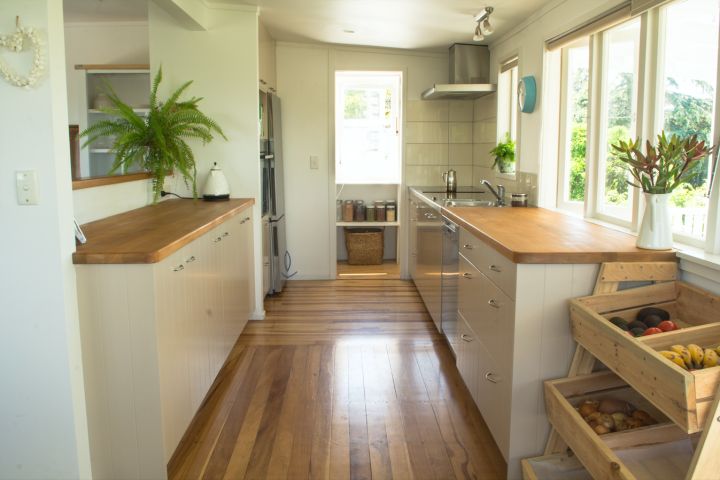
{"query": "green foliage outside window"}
(355, 104)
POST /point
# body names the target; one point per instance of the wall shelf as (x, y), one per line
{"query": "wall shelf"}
(140, 111)
(367, 224)
(99, 150)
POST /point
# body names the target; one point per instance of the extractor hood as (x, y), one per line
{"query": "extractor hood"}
(469, 75)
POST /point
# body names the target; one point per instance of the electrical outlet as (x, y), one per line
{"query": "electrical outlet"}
(27, 187)
(314, 162)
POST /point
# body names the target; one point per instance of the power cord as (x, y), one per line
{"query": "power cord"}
(163, 193)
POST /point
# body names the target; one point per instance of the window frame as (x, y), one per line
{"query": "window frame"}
(507, 114)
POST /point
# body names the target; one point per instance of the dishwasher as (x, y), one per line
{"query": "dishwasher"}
(449, 283)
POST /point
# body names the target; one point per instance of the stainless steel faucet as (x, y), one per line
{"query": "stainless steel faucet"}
(500, 194)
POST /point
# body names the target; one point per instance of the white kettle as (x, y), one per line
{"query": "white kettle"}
(216, 186)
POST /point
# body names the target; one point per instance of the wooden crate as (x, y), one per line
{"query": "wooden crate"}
(597, 453)
(684, 397)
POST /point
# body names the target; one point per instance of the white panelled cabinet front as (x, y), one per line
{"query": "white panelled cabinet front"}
(154, 337)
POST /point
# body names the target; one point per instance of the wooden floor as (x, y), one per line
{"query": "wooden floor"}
(344, 379)
(389, 270)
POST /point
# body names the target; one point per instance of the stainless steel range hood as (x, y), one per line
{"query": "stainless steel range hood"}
(469, 75)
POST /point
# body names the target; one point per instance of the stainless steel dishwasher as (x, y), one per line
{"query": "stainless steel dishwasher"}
(449, 286)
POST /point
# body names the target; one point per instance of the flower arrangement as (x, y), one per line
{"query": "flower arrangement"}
(155, 143)
(663, 167)
(504, 154)
(15, 44)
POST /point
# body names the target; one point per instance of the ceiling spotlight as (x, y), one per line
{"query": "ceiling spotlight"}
(479, 37)
(484, 13)
(486, 28)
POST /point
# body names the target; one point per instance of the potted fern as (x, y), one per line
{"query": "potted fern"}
(504, 154)
(155, 143)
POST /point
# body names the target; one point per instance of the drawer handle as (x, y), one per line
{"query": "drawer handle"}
(413, 219)
(488, 377)
(218, 239)
(413, 254)
(466, 339)
(191, 259)
(244, 222)
(181, 267)
(469, 247)
(225, 234)
(413, 203)
(493, 303)
(495, 268)
(246, 219)
(420, 207)
(469, 276)
(266, 264)
(264, 224)
(430, 216)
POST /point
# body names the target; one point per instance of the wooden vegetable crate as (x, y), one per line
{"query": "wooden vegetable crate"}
(684, 397)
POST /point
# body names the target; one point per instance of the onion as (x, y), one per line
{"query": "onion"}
(587, 408)
(601, 430)
(607, 420)
(611, 405)
(641, 415)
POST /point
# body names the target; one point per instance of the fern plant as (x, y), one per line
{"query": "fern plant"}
(504, 154)
(155, 143)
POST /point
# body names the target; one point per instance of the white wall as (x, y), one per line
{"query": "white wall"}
(43, 419)
(304, 73)
(223, 63)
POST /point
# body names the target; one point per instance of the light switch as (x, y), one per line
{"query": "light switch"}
(27, 187)
(314, 162)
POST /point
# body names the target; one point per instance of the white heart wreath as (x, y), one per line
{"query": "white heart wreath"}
(15, 44)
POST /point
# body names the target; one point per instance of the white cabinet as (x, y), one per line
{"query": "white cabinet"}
(468, 349)
(267, 61)
(426, 234)
(154, 337)
(266, 254)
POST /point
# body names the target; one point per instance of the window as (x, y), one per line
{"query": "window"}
(507, 107)
(573, 126)
(367, 126)
(689, 83)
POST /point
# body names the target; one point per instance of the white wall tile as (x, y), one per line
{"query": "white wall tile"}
(461, 111)
(424, 175)
(485, 131)
(427, 132)
(464, 175)
(427, 111)
(482, 173)
(461, 132)
(480, 155)
(461, 154)
(485, 107)
(427, 154)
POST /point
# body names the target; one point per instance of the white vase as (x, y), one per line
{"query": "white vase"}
(655, 233)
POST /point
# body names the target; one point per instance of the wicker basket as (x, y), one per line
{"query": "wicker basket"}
(365, 246)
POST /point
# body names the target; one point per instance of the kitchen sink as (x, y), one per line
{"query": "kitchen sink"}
(470, 203)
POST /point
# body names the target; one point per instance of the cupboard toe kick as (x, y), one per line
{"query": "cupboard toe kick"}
(154, 337)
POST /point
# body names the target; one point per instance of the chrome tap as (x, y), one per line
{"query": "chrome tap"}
(500, 194)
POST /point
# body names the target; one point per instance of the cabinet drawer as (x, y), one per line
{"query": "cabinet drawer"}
(497, 325)
(497, 268)
(469, 295)
(494, 400)
(471, 248)
(468, 348)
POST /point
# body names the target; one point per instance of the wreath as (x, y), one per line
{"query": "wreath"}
(15, 44)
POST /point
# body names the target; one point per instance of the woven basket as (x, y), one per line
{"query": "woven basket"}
(365, 246)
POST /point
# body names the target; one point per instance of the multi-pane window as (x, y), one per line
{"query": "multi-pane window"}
(367, 128)
(507, 107)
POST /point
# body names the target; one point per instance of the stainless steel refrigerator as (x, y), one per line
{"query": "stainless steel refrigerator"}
(273, 194)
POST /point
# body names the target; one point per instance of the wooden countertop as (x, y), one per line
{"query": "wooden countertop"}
(149, 234)
(536, 235)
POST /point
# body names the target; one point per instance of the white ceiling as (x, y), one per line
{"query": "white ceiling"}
(429, 25)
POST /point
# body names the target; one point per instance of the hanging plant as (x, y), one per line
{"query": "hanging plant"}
(504, 154)
(155, 143)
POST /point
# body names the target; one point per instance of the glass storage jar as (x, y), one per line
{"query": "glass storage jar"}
(380, 213)
(379, 203)
(338, 210)
(348, 211)
(370, 213)
(359, 211)
(390, 213)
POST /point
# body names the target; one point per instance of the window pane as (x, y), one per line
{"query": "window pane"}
(578, 76)
(690, 77)
(620, 79)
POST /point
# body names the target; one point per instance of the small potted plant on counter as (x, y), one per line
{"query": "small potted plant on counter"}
(156, 142)
(661, 170)
(504, 154)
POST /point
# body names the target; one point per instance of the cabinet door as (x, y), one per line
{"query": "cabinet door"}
(266, 254)
(467, 356)
(215, 301)
(494, 395)
(412, 264)
(469, 295)
(497, 325)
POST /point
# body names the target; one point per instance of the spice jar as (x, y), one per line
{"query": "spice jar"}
(379, 203)
(348, 211)
(359, 211)
(519, 199)
(338, 210)
(380, 213)
(370, 213)
(390, 213)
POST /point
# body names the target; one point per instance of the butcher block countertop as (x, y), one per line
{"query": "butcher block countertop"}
(536, 235)
(150, 234)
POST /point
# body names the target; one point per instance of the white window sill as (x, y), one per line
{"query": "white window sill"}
(506, 176)
(709, 262)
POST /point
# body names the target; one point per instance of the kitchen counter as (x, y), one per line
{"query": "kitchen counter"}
(539, 236)
(150, 234)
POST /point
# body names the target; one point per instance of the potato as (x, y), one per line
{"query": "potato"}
(640, 414)
(650, 421)
(611, 405)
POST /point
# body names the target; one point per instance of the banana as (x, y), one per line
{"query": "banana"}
(711, 358)
(684, 354)
(673, 357)
(697, 355)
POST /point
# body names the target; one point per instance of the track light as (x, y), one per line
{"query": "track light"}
(486, 28)
(479, 37)
(484, 13)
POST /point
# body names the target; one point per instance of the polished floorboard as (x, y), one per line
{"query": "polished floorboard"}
(344, 379)
(389, 270)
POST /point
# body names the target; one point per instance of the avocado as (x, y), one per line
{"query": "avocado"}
(637, 332)
(623, 327)
(646, 312)
(636, 324)
(617, 321)
(652, 321)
